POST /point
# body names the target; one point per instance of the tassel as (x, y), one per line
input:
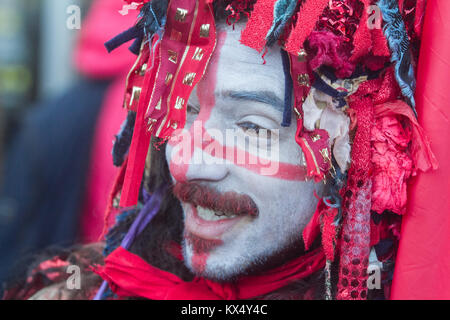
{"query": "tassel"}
(362, 41)
(283, 11)
(117, 41)
(395, 32)
(254, 34)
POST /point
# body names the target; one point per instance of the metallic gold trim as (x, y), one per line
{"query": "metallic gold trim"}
(169, 78)
(312, 154)
(151, 122)
(179, 103)
(154, 84)
(303, 79)
(315, 137)
(135, 95)
(189, 78)
(325, 155)
(143, 70)
(198, 54)
(204, 30)
(180, 15)
(173, 56)
(133, 67)
(302, 55)
(158, 105)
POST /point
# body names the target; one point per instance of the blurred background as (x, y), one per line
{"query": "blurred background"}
(60, 108)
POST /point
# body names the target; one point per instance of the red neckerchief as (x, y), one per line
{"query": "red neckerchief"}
(128, 275)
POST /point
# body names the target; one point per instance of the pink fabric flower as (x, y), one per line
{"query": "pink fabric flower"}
(135, 4)
(392, 165)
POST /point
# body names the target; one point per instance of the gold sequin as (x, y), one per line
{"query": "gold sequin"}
(302, 55)
(315, 137)
(198, 54)
(179, 103)
(299, 115)
(173, 56)
(325, 155)
(135, 95)
(158, 105)
(189, 78)
(151, 123)
(303, 79)
(169, 77)
(204, 30)
(143, 69)
(180, 15)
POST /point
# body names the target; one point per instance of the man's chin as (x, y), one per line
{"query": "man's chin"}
(204, 259)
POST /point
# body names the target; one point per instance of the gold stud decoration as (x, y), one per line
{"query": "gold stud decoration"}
(303, 79)
(204, 30)
(158, 105)
(198, 54)
(143, 70)
(315, 137)
(173, 56)
(179, 103)
(135, 95)
(180, 15)
(302, 55)
(169, 77)
(189, 78)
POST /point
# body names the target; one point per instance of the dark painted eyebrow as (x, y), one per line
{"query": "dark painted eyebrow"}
(267, 97)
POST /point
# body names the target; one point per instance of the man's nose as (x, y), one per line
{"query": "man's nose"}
(204, 166)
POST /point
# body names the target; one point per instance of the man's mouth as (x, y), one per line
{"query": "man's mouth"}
(208, 224)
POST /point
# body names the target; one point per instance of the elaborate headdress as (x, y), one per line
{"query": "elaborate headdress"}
(350, 81)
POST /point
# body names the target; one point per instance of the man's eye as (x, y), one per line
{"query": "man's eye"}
(191, 109)
(253, 129)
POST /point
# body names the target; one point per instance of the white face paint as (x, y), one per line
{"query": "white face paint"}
(285, 204)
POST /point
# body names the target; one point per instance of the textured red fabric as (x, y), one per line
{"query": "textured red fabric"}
(355, 237)
(423, 260)
(379, 42)
(130, 276)
(306, 21)
(254, 34)
(362, 39)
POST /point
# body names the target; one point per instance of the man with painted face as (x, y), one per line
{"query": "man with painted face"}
(266, 151)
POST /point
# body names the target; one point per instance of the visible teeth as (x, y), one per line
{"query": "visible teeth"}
(210, 215)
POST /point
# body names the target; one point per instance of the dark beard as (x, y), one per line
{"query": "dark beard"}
(277, 259)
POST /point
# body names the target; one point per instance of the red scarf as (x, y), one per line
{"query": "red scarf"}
(128, 275)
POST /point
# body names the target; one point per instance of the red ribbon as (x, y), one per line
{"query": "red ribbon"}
(130, 276)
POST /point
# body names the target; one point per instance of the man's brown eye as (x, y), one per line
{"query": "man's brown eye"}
(254, 130)
(191, 109)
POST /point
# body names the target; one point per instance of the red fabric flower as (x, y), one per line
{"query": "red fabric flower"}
(392, 164)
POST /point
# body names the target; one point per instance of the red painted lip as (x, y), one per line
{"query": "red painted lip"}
(208, 230)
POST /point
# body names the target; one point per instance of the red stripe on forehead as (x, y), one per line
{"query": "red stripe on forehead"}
(206, 96)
